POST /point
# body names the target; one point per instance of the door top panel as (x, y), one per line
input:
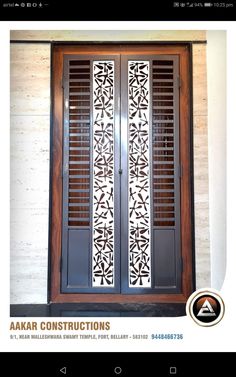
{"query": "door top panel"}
(127, 49)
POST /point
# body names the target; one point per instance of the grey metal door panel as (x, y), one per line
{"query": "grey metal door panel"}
(78, 190)
(165, 260)
(166, 271)
(79, 258)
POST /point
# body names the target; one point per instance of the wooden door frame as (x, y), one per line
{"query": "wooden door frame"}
(186, 160)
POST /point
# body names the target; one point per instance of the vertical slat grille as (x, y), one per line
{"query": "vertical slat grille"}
(163, 143)
(79, 144)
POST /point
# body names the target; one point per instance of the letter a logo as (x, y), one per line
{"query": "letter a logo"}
(206, 310)
(205, 307)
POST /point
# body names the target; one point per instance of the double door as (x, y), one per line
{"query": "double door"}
(121, 174)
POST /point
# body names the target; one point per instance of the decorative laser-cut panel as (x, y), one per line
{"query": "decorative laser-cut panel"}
(138, 173)
(103, 174)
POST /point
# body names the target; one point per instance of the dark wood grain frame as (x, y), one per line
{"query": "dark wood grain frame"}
(186, 159)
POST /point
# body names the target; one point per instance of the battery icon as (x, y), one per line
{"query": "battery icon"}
(208, 5)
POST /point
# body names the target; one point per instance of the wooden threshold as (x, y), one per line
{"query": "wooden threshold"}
(119, 298)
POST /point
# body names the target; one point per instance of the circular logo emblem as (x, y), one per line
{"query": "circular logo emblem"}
(206, 308)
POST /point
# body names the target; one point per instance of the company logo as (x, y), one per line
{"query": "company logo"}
(206, 308)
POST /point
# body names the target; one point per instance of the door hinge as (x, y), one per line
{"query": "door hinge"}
(180, 171)
(179, 82)
(61, 264)
(62, 83)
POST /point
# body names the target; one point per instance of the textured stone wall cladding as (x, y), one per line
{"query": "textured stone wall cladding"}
(111, 35)
(30, 115)
(201, 167)
(30, 123)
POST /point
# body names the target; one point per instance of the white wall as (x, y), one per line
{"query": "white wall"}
(200, 152)
(30, 130)
(216, 79)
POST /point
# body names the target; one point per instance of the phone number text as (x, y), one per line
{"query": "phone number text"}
(167, 336)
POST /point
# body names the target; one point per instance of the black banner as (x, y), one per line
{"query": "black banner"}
(113, 364)
(52, 10)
